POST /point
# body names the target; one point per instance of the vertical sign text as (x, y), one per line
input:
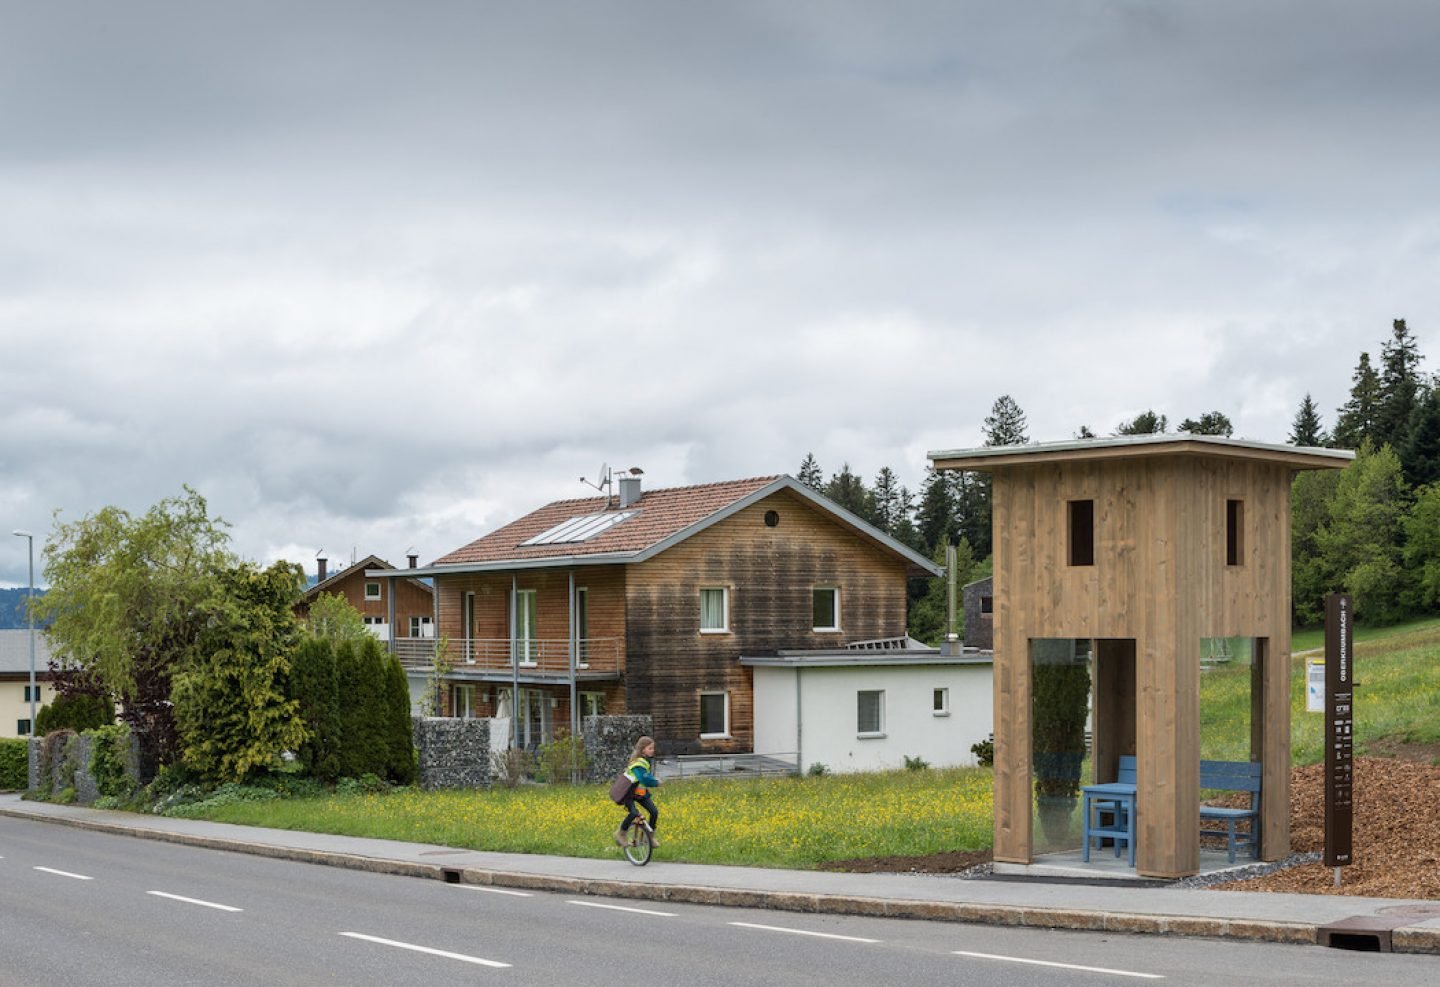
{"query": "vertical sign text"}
(1339, 729)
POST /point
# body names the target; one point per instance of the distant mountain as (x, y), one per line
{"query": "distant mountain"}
(12, 607)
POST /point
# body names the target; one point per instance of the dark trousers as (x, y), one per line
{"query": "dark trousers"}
(632, 813)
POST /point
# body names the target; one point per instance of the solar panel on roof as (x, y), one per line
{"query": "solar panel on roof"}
(578, 529)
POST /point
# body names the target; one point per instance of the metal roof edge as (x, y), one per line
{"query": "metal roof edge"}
(868, 659)
(1182, 441)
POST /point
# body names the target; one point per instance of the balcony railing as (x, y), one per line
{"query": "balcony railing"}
(547, 656)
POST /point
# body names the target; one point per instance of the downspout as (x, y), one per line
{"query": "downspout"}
(799, 726)
(514, 662)
(574, 658)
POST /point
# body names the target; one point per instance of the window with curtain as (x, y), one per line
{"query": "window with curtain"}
(826, 609)
(714, 714)
(714, 609)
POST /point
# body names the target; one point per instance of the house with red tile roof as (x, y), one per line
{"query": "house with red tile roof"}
(646, 602)
(407, 605)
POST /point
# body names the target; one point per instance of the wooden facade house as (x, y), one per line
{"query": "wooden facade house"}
(645, 603)
(406, 604)
(1133, 550)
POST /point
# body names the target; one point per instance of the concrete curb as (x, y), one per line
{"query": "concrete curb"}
(1411, 939)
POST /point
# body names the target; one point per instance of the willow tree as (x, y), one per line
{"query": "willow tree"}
(127, 602)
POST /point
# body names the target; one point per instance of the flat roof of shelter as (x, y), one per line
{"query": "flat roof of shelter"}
(989, 458)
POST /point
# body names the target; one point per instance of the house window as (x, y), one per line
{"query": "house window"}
(870, 712)
(592, 704)
(22, 728)
(527, 643)
(941, 702)
(372, 591)
(422, 627)
(714, 610)
(987, 604)
(1082, 532)
(714, 715)
(826, 608)
(36, 695)
(462, 701)
(1234, 532)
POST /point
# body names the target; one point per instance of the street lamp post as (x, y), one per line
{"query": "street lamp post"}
(30, 614)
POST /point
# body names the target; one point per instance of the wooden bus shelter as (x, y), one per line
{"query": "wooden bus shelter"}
(1143, 545)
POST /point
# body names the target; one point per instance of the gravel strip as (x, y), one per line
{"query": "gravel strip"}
(1245, 873)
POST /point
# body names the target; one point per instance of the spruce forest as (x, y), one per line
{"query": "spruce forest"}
(1372, 530)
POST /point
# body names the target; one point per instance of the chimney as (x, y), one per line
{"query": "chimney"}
(320, 570)
(414, 560)
(630, 487)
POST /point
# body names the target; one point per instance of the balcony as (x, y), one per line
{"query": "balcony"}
(487, 658)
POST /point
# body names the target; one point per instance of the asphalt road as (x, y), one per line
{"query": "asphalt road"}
(79, 907)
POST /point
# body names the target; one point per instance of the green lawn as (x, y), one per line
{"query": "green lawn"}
(1397, 696)
(774, 822)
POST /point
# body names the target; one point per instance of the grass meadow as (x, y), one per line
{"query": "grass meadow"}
(773, 822)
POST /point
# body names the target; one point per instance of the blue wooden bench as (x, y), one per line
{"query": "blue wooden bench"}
(1110, 807)
(1235, 776)
(1110, 811)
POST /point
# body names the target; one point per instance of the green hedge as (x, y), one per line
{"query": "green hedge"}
(14, 765)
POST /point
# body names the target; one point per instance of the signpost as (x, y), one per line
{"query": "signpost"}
(1339, 731)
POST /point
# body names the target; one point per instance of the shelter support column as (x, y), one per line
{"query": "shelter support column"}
(1013, 799)
(1270, 718)
(1168, 763)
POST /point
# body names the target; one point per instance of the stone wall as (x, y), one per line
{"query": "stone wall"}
(609, 741)
(454, 753)
(70, 767)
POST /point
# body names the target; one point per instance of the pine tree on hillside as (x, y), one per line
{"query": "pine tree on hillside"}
(1357, 419)
(935, 517)
(1145, 423)
(810, 474)
(905, 531)
(848, 490)
(885, 500)
(1005, 425)
(1210, 423)
(1420, 457)
(1400, 386)
(1307, 430)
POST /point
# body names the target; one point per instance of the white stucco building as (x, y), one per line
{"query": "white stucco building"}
(869, 710)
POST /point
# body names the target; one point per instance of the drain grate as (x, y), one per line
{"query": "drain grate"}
(1363, 933)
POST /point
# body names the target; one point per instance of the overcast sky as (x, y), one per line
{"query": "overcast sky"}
(382, 276)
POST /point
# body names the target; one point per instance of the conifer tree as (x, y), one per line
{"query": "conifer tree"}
(885, 500)
(1358, 418)
(1145, 423)
(810, 474)
(1307, 430)
(1399, 387)
(1210, 423)
(848, 490)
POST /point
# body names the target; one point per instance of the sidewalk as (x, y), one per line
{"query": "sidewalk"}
(1166, 911)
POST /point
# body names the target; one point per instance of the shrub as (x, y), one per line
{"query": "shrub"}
(818, 770)
(369, 784)
(984, 752)
(76, 711)
(14, 765)
(915, 763)
(564, 760)
(314, 686)
(511, 766)
(111, 761)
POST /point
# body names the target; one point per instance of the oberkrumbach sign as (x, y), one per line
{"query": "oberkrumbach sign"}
(1339, 730)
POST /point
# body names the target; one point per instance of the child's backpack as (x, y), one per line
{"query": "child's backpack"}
(620, 788)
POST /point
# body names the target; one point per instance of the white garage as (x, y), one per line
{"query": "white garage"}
(869, 710)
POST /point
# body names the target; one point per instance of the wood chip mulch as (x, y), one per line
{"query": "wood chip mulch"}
(1396, 832)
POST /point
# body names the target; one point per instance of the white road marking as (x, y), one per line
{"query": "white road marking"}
(65, 873)
(481, 887)
(1063, 966)
(426, 949)
(621, 908)
(194, 901)
(802, 932)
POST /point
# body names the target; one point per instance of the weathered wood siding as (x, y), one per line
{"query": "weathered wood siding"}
(771, 574)
(1160, 578)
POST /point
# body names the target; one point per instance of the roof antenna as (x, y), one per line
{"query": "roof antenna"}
(602, 482)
